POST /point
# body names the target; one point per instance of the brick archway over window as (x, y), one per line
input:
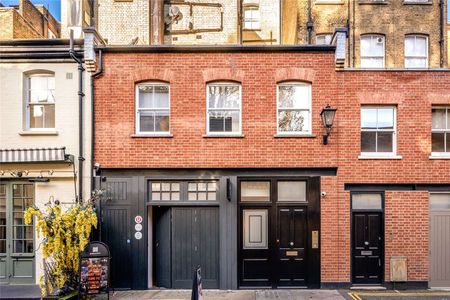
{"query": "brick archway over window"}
(153, 75)
(223, 74)
(294, 74)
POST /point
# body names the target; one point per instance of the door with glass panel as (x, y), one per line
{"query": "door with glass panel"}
(16, 239)
(273, 233)
(367, 238)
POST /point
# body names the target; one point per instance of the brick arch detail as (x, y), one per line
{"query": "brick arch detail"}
(295, 74)
(151, 74)
(223, 74)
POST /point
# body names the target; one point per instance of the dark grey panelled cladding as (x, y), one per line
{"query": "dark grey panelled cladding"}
(116, 235)
(117, 213)
(195, 242)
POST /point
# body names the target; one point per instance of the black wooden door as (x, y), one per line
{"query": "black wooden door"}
(367, 249)
(290, 261)
(195, 242)
(116, 222)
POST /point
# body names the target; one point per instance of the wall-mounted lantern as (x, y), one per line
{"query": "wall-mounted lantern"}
(327, 116)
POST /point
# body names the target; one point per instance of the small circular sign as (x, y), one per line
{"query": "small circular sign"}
(138, 235)
(138, 219)
(138, 227)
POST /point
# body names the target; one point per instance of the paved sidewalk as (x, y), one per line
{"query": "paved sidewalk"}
(229, 295)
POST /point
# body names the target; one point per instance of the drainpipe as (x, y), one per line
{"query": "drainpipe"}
(75, 57)
(93, 77)
(353, 35)
(441, 32)
(309, 24)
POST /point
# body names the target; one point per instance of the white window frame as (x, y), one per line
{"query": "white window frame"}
(251, 20)
(28, 102)
(294, 83)
(447, 130)
(138, 110)
(325, 35)
(392, 154)
(415, 36)
(208, 109)
(372, 36)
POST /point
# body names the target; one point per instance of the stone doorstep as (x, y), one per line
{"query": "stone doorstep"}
(20, 291)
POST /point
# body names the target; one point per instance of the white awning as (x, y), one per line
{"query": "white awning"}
(33, 155)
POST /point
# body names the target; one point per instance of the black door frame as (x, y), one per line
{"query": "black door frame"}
(312, 207)
(382, 231)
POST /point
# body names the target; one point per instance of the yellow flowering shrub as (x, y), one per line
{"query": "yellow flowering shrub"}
(65, 235)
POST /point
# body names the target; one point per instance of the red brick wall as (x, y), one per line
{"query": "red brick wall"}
(187, 74)
(413, 93)
(406, 232)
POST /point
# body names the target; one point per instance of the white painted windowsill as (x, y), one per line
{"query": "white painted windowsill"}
(439, 156)
(151, 135)
(231, 135)
(294, 135)
(37, 132)
(380, 157)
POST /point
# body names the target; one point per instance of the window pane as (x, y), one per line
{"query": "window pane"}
(212, 196)
(153, 96)
(438, 118)
(447, 147)
(368, 140)
(156, 196)
(372, 62)
(369, 118)
(440, 201)
(192, 186)
(146, 121)
(366, 201)
(255, 228)
(385, 142)
(255, 191)
(192, 196)
(294, 96)
(411, 62)
(156, 186)
(162, 121)
(165, 186)
(42, 116)
(224, 121)
(293, 121)
(223, 96)
(365, 46)
(409, 46)
(437, 142)
(175, 186)
(291, 191)
(421, 46)
(385, 118)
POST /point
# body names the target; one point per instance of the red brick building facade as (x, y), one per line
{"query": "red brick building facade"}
(404, 179)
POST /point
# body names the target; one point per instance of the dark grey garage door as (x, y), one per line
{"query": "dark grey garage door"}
(195, 242)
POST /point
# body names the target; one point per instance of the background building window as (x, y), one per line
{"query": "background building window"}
(378, 130)
(224, 108)
(153, 108)
(294, 108)
(323, 39)
(372, 51)
(40, 102)
(252, 17)
(416, 51)
(440, 131)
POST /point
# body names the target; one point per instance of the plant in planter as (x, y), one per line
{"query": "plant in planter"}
(65, 233)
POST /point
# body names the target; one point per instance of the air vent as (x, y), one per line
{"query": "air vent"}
(69, 75)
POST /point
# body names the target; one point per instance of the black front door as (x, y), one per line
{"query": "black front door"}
(279, 221)
(367, 249)
(291, 247)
